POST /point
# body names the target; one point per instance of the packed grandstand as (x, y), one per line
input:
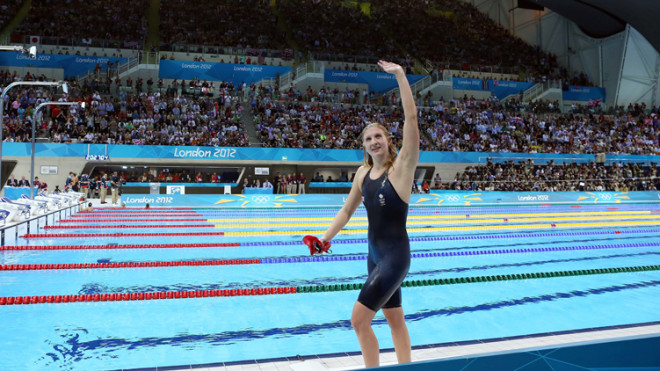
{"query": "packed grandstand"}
(430, 37)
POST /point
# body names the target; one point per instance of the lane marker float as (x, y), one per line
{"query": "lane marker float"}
(165, 295)
(336, 241)
(310, 259)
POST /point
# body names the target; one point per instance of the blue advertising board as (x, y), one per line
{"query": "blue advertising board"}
(499, 88)
(434, 199)
(73, 65)
(584, 93)
(116, 152)
(379, 82)
(234, 73)
(196, 185)
(462, 83)
(503, 88)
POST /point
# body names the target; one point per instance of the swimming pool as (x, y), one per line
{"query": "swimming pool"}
(476, 273)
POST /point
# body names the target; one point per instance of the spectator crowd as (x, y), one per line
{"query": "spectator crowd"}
(334, 119)
(122, 21)
(324, 118)
(8, 9)
(138, 118)
(222, 23)
(465, 124)
(436, 33)
(551, 177)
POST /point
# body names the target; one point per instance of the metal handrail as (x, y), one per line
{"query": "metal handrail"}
(540, 88)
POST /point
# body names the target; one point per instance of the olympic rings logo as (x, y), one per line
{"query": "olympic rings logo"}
(453, 198)
(605, 196)
(260, 199)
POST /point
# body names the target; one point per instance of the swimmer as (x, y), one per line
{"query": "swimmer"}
(383, 184)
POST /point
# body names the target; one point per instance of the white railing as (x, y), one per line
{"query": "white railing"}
(297, 73)
(420, 85)
(285, 80)
(132, 63)
(533, 92)
(540, 88)
(314, 67)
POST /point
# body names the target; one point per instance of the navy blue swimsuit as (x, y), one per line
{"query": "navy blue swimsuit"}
(389, 248)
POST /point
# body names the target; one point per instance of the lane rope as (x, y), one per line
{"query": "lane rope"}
(455, 216)
(140, 226)
(336, 241)
(127, 246)
(344, 231)
(512, 216)
(99, 235)
(352, 224)
(310, 259)
(165, 295)
(142, 219)
(84, 215)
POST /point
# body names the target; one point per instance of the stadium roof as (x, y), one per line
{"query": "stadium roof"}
(603, 18)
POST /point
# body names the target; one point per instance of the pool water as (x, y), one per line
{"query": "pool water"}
(492, 254)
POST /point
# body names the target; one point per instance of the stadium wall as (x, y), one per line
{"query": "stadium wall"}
(76, 157)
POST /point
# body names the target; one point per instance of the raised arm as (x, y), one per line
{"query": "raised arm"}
(409, 153)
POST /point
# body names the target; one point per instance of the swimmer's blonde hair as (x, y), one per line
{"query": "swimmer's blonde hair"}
(367, 161)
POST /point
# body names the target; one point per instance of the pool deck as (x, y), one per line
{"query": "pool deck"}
(453, 351)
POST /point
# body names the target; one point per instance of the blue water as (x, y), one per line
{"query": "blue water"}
(114, 335)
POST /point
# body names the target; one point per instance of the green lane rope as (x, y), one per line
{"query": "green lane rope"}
(474, 279)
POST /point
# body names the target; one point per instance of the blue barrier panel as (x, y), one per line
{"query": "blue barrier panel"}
(121, 151)
(258, 191)
(338, 185)
(234, 73)
(164, 184)
(499, 88)
(16, 192)
(330, 185)
(434, 199)
(379, 82)
(73, 65)
(584, 93)
(504, 88)
(462, 83)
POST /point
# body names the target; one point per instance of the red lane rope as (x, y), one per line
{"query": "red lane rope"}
(123, 210)
(112, 247)
(148, 211)
(85, 215)
(32, 267)
(162, 295)
(91, 235)
(93, 220)
(132, 226)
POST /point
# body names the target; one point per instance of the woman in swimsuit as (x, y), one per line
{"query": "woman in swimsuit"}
(383, 184)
